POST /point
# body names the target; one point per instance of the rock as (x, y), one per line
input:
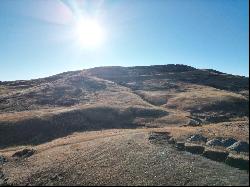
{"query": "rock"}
(56, 177)
(180, 146)
(193, 148)
(214, 142)
(238, 161)
(197, 138)
(194, 123)
(2, 159)
(228, 142)
(24, 153)
(159, 137)
(215, 155)
(239, 146)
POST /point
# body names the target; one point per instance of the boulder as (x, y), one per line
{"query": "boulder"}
(214, 142)
(24, 153)
(215, 155)
(194, 123)
(159, 137)
(193, 148)
(239, 146)
(197, 138)
(238, 161)
(228, 142)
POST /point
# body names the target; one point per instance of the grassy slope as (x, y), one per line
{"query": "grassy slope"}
(47, 113)
(116, 157)
(101, 98)
(49, 110)
(207, 95)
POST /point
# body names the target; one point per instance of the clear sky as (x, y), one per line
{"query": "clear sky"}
(38, 37)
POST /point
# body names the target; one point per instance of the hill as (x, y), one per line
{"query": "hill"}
(55, 113)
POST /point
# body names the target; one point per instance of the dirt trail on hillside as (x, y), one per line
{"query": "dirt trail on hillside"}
(116, 157)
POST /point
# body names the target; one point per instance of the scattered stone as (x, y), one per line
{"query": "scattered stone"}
(239, 146)
(194, 148)
(228, 142)
(194, 123)
(159, 137)
(56, 177)
(180, 146)
(24, 153)
(238, 161)
(215, 142)
(2, 159)
(215, 155)
(197, 138)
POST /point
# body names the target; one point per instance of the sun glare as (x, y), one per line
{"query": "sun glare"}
(89, 33)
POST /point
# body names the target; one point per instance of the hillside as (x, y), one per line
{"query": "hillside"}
(55, 115)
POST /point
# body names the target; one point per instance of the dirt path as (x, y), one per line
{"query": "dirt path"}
(117, 157)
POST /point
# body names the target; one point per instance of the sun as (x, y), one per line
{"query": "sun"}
(89, 33)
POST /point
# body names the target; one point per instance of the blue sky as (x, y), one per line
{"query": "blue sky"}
(35, 39)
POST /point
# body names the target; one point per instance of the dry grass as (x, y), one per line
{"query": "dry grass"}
(77, 101)
(44, 127)
(198, 97)
(65, 118)
(238, 130)
(104, 158)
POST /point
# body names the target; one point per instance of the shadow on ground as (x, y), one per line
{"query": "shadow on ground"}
(40, 130)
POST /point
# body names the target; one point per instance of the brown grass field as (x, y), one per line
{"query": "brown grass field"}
(92, 127)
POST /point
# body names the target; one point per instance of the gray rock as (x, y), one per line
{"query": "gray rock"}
(159, 137)
(239, 146)
(24, 153)
(197, 138)
(194, 123)
(228, 142)
(214, 142)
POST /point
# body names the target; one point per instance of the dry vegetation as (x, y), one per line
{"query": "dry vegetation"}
(64, 117)
(115, 157)
(238, 130)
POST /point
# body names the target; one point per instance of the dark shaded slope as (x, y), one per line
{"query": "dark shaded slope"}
(37, 130)
(173, 72)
